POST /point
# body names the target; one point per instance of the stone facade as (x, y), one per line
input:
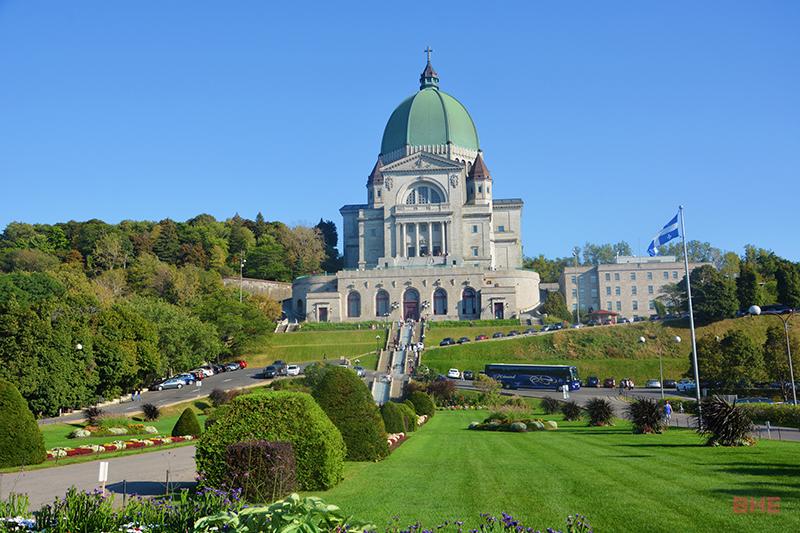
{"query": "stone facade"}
(277, 290)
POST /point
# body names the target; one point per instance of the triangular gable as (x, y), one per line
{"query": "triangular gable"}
(422, 162)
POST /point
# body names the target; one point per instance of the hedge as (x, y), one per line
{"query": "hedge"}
(281, 416)
(410, 405)
(423, 403)
(264, 470)
(393, 417)
(187, 424)
(21, 442)
(348, 403)
(409, 417)
(786, 415)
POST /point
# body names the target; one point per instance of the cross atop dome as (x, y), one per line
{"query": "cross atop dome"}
(429, 77)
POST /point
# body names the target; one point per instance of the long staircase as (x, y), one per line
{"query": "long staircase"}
(394, 363)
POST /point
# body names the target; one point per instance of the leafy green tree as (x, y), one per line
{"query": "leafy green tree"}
(787, 277)
(111, 251)
(549, 270)
(673, 297)
(556, 306)
(748, 290)
(599, 254)
(776, 360)
(743, 360)
(268, 260)
(237, 322)
(26, 260)
(240, 241)
(661, 309)
(713, 296)
(699, 252)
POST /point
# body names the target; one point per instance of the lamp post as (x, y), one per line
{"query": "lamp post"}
(241, 277)
(756, 310)
(377, 344)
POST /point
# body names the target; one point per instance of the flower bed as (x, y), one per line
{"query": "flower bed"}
(516, 426)
(125, 429)
(115, 446)
(395, 440)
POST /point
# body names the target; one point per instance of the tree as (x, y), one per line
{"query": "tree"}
(556, 306)
(699, 252)
(743, 361)
(776, 360)
(26, 260)
(598, 254)
(713, 296)
(21, 442)
(167, 245)
(268, 260)
(489, 389)
(787, 276)
(240, 241)
(187, 424)
(549, 270)
(330, 237)
(110, 251)
(673, 297)
(748, 290)
(305, 250)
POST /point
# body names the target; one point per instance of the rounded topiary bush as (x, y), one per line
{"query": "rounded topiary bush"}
(393, 417)
(409, 417)
(423, 403)
(21, 442)
(284, 416)
(350, 406)
(411, 406)
(187, 424)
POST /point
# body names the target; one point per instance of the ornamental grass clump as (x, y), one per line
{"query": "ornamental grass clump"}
(645, 415)
(150, 412)
(725, 424)
(600, 411)
(551, 406)
(92, 415)
(571, 411)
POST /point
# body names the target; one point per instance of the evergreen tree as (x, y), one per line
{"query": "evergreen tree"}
(747, 287)
(555, 306)
(787, 276)
(167, 246)
(776, 360)
(21, 442)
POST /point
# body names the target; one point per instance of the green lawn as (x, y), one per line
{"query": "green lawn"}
(300, 346)
(434, 335)
(620, 481)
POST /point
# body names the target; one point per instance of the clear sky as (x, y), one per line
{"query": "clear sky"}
(602, 116)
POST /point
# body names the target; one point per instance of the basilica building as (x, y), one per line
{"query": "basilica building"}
(431, 240)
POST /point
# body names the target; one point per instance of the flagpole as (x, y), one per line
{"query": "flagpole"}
(691, 322)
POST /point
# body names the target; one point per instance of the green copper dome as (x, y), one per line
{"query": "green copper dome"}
(430, 117)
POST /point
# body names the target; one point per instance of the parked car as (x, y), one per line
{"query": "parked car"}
(670, 383)
(638, 319)
(171, 383)
(198, 375)
(753, 400)
(447, 341)
(547, 328)
(498, 335)
(609, 383)
(454, 373)
(468, 375)
(269, 372)
(686, 385)
(233, 365)
(293, 370)
(530, 331)
(623, 320)
(481, 337)
(462, 340)
(281, 366)
(653, 384)
(360, 371)
(207, 371)
(775, 309)
(512, 333)
(218, 369)
(188, 379)
(577, 326)
(593, 381)
(556, 327)
(242, 363)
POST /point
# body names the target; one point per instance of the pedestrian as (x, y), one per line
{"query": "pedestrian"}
(565, 391)
(680, 407)
(133, 395)
(138, 395)
(667, 411)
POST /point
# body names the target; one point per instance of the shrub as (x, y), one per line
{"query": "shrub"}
(776, 414)
(550, 405)
(393, 419)
(411, 406)
(21, 442)
(265, 471)
(92, 415)
(725, 424)
(281, 416)
(645, 415)
(150, 412)
(442, 391)
(220, 397)
(350, 406)
(423, 403)
(409, 417)
(516, 401)
(601, 412)
(571, 411)
(187, 424)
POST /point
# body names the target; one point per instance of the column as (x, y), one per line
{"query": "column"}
(361, 244)
(398, 240)
(430, 238)
(416, 238)
(444, 237)
(402, 240)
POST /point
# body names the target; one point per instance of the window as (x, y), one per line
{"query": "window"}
(423, 194)
(674, 274)
(633, 276)
(439, 302)
(608, 276)
(373, 232)
(574, 307)
(574, 293)
(649, 289)
(480, 189)
(382, 303)
(649, 275)
(633, 290)
(616, 276)
(666, 275)
(594, 293)
(651, 305)
(608, 291)
(574, 279)
(379, 193)
(609, 306)
(617, 291)
(501, 229)
(619, 305)
(474, 251)
(635, 305)
(353, 305)
(470, 300)
(474, 229)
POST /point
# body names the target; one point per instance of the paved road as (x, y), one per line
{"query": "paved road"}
(146, 474)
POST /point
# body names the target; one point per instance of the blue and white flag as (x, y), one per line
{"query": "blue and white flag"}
(667, 233)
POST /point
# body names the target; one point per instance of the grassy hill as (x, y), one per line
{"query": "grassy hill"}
(611, 351)
(313, 345)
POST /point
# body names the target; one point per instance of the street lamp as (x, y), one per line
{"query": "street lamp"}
(756, 310)
(377, 344)
(79, 347)
(241, 277)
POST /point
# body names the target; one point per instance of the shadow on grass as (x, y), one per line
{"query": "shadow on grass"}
(661, 445)
(202, 405)
(790, 471)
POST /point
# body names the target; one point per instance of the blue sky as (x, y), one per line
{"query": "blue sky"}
(602, 116)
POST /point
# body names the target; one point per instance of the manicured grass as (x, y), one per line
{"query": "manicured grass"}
(303, 346)
(620, 481)
(435, 335)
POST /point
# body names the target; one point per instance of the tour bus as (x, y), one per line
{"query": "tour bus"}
(534, 376)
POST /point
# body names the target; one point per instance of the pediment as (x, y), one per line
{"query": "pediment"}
(422, 162)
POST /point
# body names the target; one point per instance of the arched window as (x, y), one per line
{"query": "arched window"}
(424, 194)
(382, 303)
(353, 305)
(440, 302)
(469, 300)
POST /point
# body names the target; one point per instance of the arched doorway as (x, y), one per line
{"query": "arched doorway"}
(382, 303)
(411, 304)
(440, 302)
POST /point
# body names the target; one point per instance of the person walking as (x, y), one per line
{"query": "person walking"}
(680, 407)
(667, 412)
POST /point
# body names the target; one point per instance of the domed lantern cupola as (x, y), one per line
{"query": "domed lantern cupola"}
(429, 77)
